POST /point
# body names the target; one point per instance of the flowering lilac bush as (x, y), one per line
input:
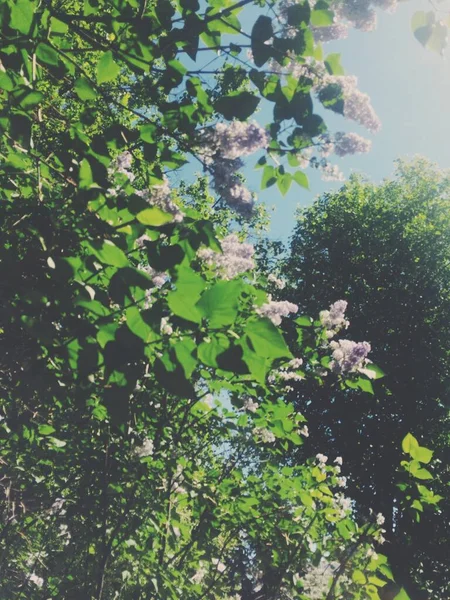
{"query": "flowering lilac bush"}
(146, 431)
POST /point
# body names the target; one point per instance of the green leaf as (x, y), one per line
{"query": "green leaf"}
(375, 371)
(107, 69)
(31, 99)
(261, 32)
(47, 55)
(359, 577)
(108, 253)
(22, 13)
(301, 179)
(6, 82)
(138, 326)
(84, 89)
(220, 303)
(304, 321)
(182, 301)
(417, 505)
(365, 385)
(333, 64)
(267, 339)
(154, 216)
(269, 177)
(423, 455)
(284, 183)
(409, 443)
(148, 133)
(402, 595)
(422, 474)
(46, 429)
(214, 347)
(85, 175)
(238, 105)
(322, 18)
(185, 351)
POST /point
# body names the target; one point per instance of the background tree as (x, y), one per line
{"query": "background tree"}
(385, 249)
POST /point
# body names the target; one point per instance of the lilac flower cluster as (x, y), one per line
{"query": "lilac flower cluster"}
(337, 31)
(229, 186)
(160, 196)
(158, 278)
(357, 106)
(236, 257)
(146, 449)
(123, 164)
(350, 143)
(239, 139)
(264, 435)
(274, 310)
(334, 319)
(318, 579)
(359, 14)
(343, 144)
(348, 356)
(221, 150)
(277, 282)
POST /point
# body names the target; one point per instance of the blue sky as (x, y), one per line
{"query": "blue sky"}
(410, 90)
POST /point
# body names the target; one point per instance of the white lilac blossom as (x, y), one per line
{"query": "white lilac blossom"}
(342, 481)
(338, 460)
(236, 257)
(380, 537)
(304, 431)
(250, 405)
(165, 327)
(38, 581)
(321, 458)
(350, 143)
(239, 138)
(65, 533)
(371, 554)
(264, 435)
(219, 565)
(229, 186)
(278, 283)
(380, 519)
(57, 507)
(221, 150)
(332, 173)
(274, 310)
(199, 575)
(357, 106)
(146, 449)
(337, 31)
(177, 480)
(348, 356)
(160, 196)
(289, 376)
(342, 504)
(318, 579)
(333, 320)
(296, 363)
(122, 164)
(359, 14)
(158, 278)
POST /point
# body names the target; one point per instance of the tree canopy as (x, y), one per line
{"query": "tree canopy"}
(145, 421)
(385, 249)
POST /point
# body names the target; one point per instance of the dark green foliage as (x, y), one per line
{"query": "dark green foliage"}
(385, 249)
